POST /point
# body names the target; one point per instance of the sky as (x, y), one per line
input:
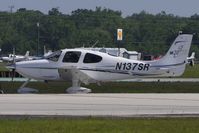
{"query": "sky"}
(184, 8)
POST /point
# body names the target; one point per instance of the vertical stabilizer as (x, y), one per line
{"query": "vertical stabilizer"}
(179, 50)
(176, 57)
(27, 54)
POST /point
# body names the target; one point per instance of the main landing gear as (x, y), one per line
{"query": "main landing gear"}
(76, 88)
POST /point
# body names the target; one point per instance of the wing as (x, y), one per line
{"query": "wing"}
(73, 73)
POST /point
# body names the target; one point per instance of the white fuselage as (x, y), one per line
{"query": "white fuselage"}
(107, 69)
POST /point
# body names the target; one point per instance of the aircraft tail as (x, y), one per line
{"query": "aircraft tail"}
(176, 58)
(192, 55)
(190, 59)
(27, 54)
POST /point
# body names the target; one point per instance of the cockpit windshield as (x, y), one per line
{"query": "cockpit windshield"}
(71, 57)
(54, 56)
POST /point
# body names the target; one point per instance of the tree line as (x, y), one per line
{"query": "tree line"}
(143, 32)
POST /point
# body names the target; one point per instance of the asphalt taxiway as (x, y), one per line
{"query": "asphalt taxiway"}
(114, 105)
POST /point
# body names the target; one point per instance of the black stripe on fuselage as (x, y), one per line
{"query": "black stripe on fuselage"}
(178, 64)
(40, 67)
(119, 72)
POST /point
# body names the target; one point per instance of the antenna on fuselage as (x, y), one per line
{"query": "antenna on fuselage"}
(95, 44)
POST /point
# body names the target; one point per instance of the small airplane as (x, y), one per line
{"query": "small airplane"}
(17, 58)
(26, 57)
(190, 59)
(87, 66)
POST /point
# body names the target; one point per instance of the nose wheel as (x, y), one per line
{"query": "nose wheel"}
(22, 89)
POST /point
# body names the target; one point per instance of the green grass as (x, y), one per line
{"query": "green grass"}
(112, 87)
(191, 72)
(2, 67)
(101, 125)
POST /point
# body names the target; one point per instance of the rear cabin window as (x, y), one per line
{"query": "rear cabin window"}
(71, 57)
(92, 58)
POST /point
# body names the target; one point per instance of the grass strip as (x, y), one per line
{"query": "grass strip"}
(100, 125)
(111, 87)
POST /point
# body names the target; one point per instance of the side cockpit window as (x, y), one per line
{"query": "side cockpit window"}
(54, 56)
(71, 57)
(92, 58)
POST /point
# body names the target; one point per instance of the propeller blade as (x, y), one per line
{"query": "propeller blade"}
(13, 74)
(14, 61)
